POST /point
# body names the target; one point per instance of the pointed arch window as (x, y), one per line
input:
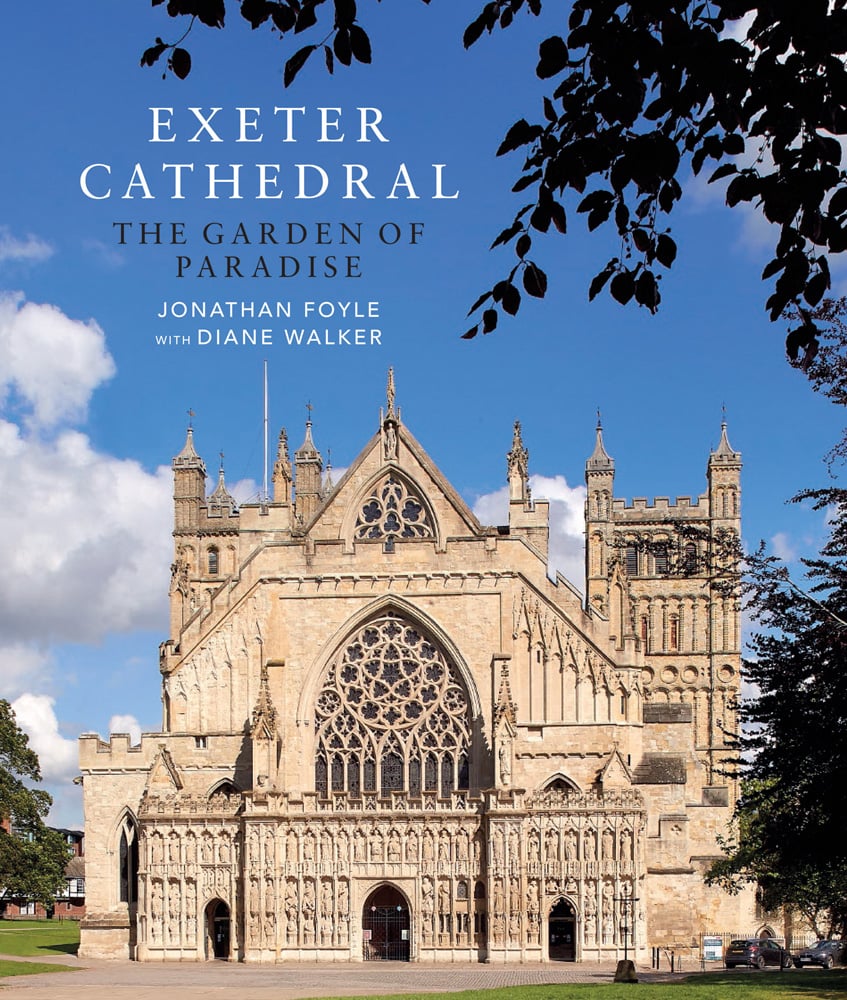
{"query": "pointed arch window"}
(128, 861)
(393, 698)
(394, 510)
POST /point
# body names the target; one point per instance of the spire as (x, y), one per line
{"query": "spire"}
(221, 499)
(188, 457)
(327, 484)
(600, 461)
(724, 454)
(389, 396)
(518, 466)
(389, 423)
(282, 470)
(264, 714)
(307, 449)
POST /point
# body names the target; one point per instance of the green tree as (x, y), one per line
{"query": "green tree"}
(640, 92)
(32, 857)
(792, 812)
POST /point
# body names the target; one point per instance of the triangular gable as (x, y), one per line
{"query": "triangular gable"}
(615, 773)
(337, 515)
(163, 773)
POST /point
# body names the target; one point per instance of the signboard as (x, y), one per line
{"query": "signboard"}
(712, 948)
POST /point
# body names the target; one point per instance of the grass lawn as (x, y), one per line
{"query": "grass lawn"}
(39, 937)
(8, 968)
(737, 985)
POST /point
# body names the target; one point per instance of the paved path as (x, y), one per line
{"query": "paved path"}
(212, 980)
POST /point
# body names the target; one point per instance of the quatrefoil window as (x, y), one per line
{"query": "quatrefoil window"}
(393, 510)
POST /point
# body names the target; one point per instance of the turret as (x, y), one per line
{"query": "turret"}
(600, 487)
(189, 486)
(308, 465)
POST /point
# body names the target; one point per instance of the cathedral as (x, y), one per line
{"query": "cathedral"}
(389, 733)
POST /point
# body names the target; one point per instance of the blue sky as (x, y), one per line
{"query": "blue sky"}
(92, 409)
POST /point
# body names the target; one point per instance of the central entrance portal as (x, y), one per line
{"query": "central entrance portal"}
(385, 926)
(561, 934)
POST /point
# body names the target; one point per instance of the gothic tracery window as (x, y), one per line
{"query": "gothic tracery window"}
(392, 715)
(393, 510)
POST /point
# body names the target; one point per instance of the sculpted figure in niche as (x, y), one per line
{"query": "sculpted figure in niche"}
(462, 845)
(590, 845)
(444, 846)
(394, 846)
(626, 844)
(412, 845)
(359, 846)
(428, 846)
(590, 928)
(326, 846)
(291, 846)
(254, 897)
(499, 846)
(515, 928)
(570, 845)
(156, 848)
(427, 908)
(191, 848)
(498, 900)
(499, 922)
(326, 899)
(376, 845)
(343, 899)
(223, 849)
(309, 847)
(532, 848)
(532, 899)
(390, 443)
(608, 844)
(342, 840)
(253, 844)
(514, 847)
(291, 899)
(269, 846)
(504, 755)
(190, 912)
(444, 897)
(515, 895)
(173, 848)
(552, 845)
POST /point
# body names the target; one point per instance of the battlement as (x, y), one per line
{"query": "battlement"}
(664, 505)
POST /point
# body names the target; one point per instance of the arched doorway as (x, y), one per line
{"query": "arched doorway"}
(561, 933)
(217, 930)
(386, 934)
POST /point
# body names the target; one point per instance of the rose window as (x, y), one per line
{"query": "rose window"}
(392, 715)
(393, 511)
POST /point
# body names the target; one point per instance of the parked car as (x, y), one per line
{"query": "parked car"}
(823, 953)
(757, 953)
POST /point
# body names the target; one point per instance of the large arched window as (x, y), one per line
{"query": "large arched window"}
(392, 715)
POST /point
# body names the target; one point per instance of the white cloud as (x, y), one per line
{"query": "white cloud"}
(567, 526)
(783, 548)
(85, 544)
(51, 362)
(30, 248)
(126, 724)
(57, 755)
(22, 668)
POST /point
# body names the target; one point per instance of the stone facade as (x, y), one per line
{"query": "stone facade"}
(387, 733)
